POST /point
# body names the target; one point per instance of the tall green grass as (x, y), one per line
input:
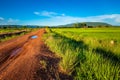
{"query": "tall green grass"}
(82, 58)
(96, 67)
(67, 49)
(95, 37)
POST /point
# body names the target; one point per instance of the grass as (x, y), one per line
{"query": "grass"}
(87, 54)
(12, 30)
(11, 37)
(43, 63)
(95, 37)
(69, 58)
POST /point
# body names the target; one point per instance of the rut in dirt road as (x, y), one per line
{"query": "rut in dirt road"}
(25, 58)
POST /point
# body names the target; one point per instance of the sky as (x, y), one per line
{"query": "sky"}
(58, 12)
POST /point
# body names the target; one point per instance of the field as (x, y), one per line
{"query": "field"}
(87, 53)
(106, 38)
(9, 30)
(6, 34)
(61, 54)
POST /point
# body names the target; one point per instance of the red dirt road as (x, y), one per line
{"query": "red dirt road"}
(25, 58)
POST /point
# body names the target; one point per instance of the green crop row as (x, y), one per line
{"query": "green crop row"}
(106, 38)
(89, 57)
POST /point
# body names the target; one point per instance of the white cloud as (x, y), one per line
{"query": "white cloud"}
(60, 19)
(62, 14)
(48, 14)
(118, 20)
(10, 20)
(45, 13)
(36, 13)
(1, 18)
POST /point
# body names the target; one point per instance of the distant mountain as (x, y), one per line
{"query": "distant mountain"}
(93, 24)
(88, 24)
(97, 24)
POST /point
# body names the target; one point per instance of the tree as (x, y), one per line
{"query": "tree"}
(79, 25)
(75, 25)
(83, 25)
(24, 27)
(37, 27)
(48, 29)
(90, 26)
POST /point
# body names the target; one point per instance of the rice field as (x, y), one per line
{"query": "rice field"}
(87, 53)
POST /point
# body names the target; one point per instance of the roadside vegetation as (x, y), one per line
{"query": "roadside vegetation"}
(87, 53)
(7, 33)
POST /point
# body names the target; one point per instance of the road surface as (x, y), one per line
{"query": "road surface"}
(24, 58)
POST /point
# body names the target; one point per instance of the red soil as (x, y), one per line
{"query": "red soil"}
(24, 58)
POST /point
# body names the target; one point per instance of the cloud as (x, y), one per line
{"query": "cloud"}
(1, 18)
(61, 19)
(36, 13)
(118, 20)
(109, 18)
(9, 21)
(48, 14)
(62, 14)
(45, 13)
(12, 21)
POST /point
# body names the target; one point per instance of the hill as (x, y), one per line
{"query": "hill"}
(97, 24)
(88, 24)
(93, 24)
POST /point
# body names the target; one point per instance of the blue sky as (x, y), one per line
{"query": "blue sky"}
(59, 12)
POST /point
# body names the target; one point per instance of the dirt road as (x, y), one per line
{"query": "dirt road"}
(25, 58)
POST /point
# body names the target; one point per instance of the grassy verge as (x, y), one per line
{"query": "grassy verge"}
(11, 37)
(82, 61)
(12, 30)
(71, 54)
(105, 38)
